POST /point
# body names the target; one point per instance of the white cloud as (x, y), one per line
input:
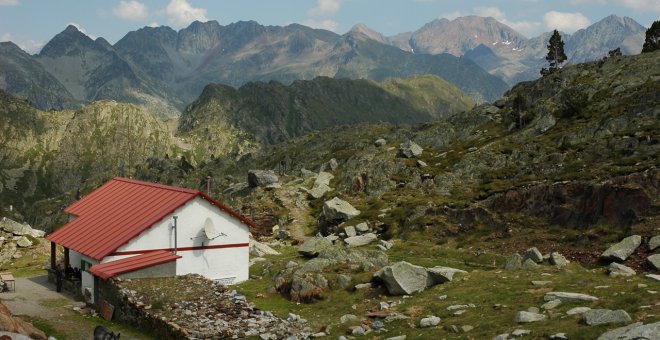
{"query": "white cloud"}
(82, 30)
(326, 24)
(527, 28)
(27, 45)
(180, 13)
(131, 10)
(154, 24)
(565, 21)
(8, 2)
(325, 8)
(643, 5)
(452, 15)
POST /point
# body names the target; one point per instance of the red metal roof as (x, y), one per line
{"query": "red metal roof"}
(129, 264)
(119, 211)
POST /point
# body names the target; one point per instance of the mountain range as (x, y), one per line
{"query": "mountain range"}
(165, 70)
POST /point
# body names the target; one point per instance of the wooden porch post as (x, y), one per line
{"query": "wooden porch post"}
(66, 257)
(53, 255)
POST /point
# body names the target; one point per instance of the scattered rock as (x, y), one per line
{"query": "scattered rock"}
(24, 242)
(654, 242)
(521, 332)
(466, 328)
(403, 278)
(331, 164)
(400, 337)
(380, 142)
(529, 264)
(578, 310)
(596, 317)
(307, 287)
(307, 174)
(551, 304)
(261, 178)
(291, 264)
(559, 336)
(541, 283)
(635, 331)
(323, 178)
(653, 277)
(360, 240)
(338, 210)
(421, 164)
(409, 149)
(259, 249)
(429, 321)
(356, 330)
(313, 246)
(654, 260)
(534, 255)
(513, 262)
(349, 318)
(344, 281)
(350, 231)
(557, 259)
(523, 317)
(569, 297)
(623, 249)
(319, 190)
(504, 336)
(617, 269)
(362, 227)
(441, 274)
(545, 123)
(363, 285)
(385, 245)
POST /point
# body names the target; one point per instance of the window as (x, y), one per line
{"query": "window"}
(84, 265)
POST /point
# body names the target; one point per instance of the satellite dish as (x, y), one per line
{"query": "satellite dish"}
(210, 231)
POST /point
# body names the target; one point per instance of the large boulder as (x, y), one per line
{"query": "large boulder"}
(307, 287)
(260, 178)
(621, 251)
(597, 317)
(319, 190)
(654, 261)
(637, 330)
(513, 262)
(441, 274)
(313, 246)
(403, 278)
(19, 229)
(410, 149)
(558, 259)
(338, 210)
(24, 242)
(13, 324)
(569, 297)
(323, 178)
(617, 269)
(360, 240)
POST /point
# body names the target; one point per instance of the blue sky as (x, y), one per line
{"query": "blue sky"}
(31, 23)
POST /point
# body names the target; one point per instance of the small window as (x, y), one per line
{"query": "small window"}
(84, 265)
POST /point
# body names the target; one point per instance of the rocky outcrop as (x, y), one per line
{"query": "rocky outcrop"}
(313, 246)
(19, 229)
(623, 249)
(620, 201)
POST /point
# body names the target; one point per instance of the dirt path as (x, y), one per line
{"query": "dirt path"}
(32, 294)
(299, 210)
(36, 300)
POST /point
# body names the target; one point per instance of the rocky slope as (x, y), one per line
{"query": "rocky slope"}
(228, 121)
(164, 70)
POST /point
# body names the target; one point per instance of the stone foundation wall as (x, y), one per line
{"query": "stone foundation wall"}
(128, 311)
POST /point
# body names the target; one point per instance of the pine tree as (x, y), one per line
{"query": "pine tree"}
(652, 41)
(556, 54)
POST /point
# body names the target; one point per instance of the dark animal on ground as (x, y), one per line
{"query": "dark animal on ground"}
(102, 333)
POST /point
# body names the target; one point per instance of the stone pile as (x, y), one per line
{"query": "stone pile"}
(216, 312)
(13, 236)
(532, 258)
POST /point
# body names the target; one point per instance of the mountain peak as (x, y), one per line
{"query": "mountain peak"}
(362, 30)
(71, 29)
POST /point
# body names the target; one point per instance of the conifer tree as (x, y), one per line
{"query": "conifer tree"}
(556, 54)
(652, 41)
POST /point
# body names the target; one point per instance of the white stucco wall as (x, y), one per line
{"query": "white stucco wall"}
(87, 279)
(74, 258)
(219, 263)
